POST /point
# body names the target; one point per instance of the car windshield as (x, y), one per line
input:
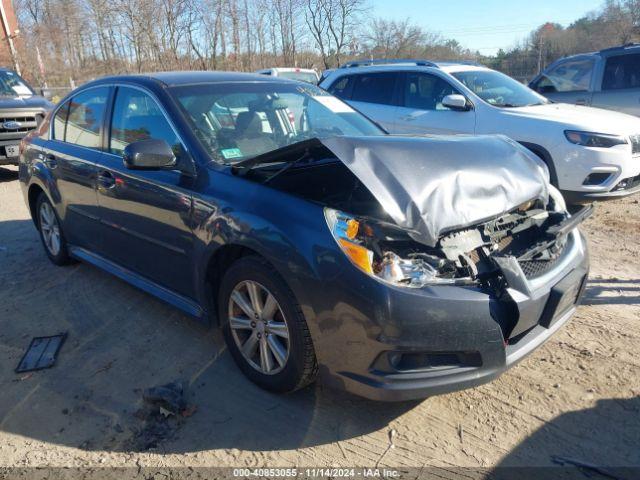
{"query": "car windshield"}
(498, 89)
(308, 77)
(238, 121)
(11, 85)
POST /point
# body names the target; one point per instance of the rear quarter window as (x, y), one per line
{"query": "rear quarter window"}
(86, 114)
(60, 122)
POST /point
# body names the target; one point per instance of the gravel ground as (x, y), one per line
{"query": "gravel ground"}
(576, 397)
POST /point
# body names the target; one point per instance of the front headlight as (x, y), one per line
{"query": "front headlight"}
(368, 249)
(600, 140)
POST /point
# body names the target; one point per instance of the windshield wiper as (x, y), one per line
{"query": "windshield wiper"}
(287, 166)
(278, 155)
(511, 105)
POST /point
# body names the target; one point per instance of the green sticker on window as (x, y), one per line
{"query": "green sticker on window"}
(231, 153)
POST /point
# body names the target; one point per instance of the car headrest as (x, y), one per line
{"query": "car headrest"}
(249, 123)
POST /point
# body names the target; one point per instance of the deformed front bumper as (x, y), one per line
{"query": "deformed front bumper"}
(458, 333)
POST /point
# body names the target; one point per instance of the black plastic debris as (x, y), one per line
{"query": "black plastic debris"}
(42, 353)
(169, 397)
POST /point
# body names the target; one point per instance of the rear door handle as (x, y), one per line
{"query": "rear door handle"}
(50, 160)
(106, 179)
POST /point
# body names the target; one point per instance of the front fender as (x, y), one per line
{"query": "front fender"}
(290, 233)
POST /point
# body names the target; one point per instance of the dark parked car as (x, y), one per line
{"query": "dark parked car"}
(607, 79)
(21, 111)
(394, 266)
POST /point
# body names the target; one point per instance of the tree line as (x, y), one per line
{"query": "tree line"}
(617, 22)
(62, 42)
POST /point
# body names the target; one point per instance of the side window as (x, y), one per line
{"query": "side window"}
(86, 111)
(136, 116)
(569, 76)
(342, 87)
(426, 92)
(622, 71)
(374, 88)
(60, 121)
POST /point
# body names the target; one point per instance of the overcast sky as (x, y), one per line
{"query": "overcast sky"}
(484, 25)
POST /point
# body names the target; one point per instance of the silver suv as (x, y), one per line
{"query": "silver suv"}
(606, 79)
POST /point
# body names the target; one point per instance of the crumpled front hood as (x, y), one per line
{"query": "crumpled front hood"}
(436, 184)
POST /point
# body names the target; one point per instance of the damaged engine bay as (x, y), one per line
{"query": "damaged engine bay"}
(530, 233)
(535, 232)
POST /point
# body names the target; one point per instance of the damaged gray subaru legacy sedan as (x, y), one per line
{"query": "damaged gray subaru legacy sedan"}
(394, 267)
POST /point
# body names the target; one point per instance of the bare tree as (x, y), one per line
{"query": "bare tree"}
(333, 25)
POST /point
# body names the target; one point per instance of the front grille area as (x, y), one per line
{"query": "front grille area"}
(27, 123)
(535, 268)
(635, 144)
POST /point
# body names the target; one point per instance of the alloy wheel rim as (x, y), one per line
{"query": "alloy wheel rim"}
(259, 327)
(50, 229)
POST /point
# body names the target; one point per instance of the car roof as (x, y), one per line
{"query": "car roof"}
(626, 48)
(289, 69)
(620, 49)
(406, 66)
(190, 77)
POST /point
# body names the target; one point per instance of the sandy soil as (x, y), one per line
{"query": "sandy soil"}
(578, 396)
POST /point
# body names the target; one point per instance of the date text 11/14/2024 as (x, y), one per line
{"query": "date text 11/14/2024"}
(317, 472)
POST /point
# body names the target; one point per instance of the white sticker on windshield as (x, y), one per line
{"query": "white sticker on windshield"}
(333, 104)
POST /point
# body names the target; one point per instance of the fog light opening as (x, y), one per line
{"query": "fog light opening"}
(596, 179)
(401, 362)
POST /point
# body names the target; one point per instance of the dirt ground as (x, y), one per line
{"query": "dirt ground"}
(576, 397)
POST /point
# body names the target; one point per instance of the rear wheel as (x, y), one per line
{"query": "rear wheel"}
(51, 233)
(264, 328)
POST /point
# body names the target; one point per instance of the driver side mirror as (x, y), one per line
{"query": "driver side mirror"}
(149, 154)
(456, 102)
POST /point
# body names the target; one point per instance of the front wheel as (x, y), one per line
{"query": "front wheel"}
(51, 233)
(264, 328)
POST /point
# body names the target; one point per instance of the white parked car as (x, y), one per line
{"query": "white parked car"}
(301, 74)
(592, 154)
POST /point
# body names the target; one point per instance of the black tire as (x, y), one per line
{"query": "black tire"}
(301, 367)
(61, 257)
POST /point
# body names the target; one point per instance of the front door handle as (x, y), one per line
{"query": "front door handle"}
(106, 179)
(50, 160)
(581, 101)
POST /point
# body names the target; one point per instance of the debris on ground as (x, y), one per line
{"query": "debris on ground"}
(168, 398)
(165, 410)
(24, 377)
(104, 368)
(41, 354)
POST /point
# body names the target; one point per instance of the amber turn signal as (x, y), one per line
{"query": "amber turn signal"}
(359, 255)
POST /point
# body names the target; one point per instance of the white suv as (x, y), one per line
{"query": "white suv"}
(592, 154)
(300, 74)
